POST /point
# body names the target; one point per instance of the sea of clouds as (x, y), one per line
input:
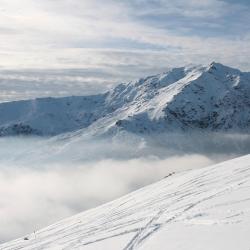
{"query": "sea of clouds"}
(45, 180)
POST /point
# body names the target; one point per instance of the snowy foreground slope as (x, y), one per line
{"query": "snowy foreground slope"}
(204, 209)
(212, 98)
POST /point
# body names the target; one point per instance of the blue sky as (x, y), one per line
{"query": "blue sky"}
(125, 39)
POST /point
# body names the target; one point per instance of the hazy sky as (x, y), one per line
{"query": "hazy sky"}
(121, 40)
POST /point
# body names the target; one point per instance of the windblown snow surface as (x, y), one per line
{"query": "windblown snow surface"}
(208, 208)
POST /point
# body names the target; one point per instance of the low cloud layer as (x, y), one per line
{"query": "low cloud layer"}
(31, 199)
(43, 181)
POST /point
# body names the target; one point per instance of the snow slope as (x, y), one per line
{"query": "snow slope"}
(212, 98)
(204, 209)
(49, 116)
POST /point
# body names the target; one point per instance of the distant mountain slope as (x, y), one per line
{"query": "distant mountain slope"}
(50, 116)
(214, 98)
(200, 209)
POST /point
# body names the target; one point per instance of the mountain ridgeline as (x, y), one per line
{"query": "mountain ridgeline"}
(212, 98)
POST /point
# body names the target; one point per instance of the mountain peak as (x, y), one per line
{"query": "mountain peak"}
(221, 68)
(215, 64)
(214, 97)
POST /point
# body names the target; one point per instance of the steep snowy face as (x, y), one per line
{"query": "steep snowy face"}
(204, 209)
(218, 99)
(213, 98)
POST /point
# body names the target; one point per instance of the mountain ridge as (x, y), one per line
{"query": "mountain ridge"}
(213, 98)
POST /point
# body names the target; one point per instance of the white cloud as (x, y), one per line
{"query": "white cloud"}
(62, 24)
(31, 199)
(118, 37)
(42, 181)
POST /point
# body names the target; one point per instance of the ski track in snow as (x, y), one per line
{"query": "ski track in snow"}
(216, 197)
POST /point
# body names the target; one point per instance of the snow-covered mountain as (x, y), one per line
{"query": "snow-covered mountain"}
(204, 209)
(212, 98)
